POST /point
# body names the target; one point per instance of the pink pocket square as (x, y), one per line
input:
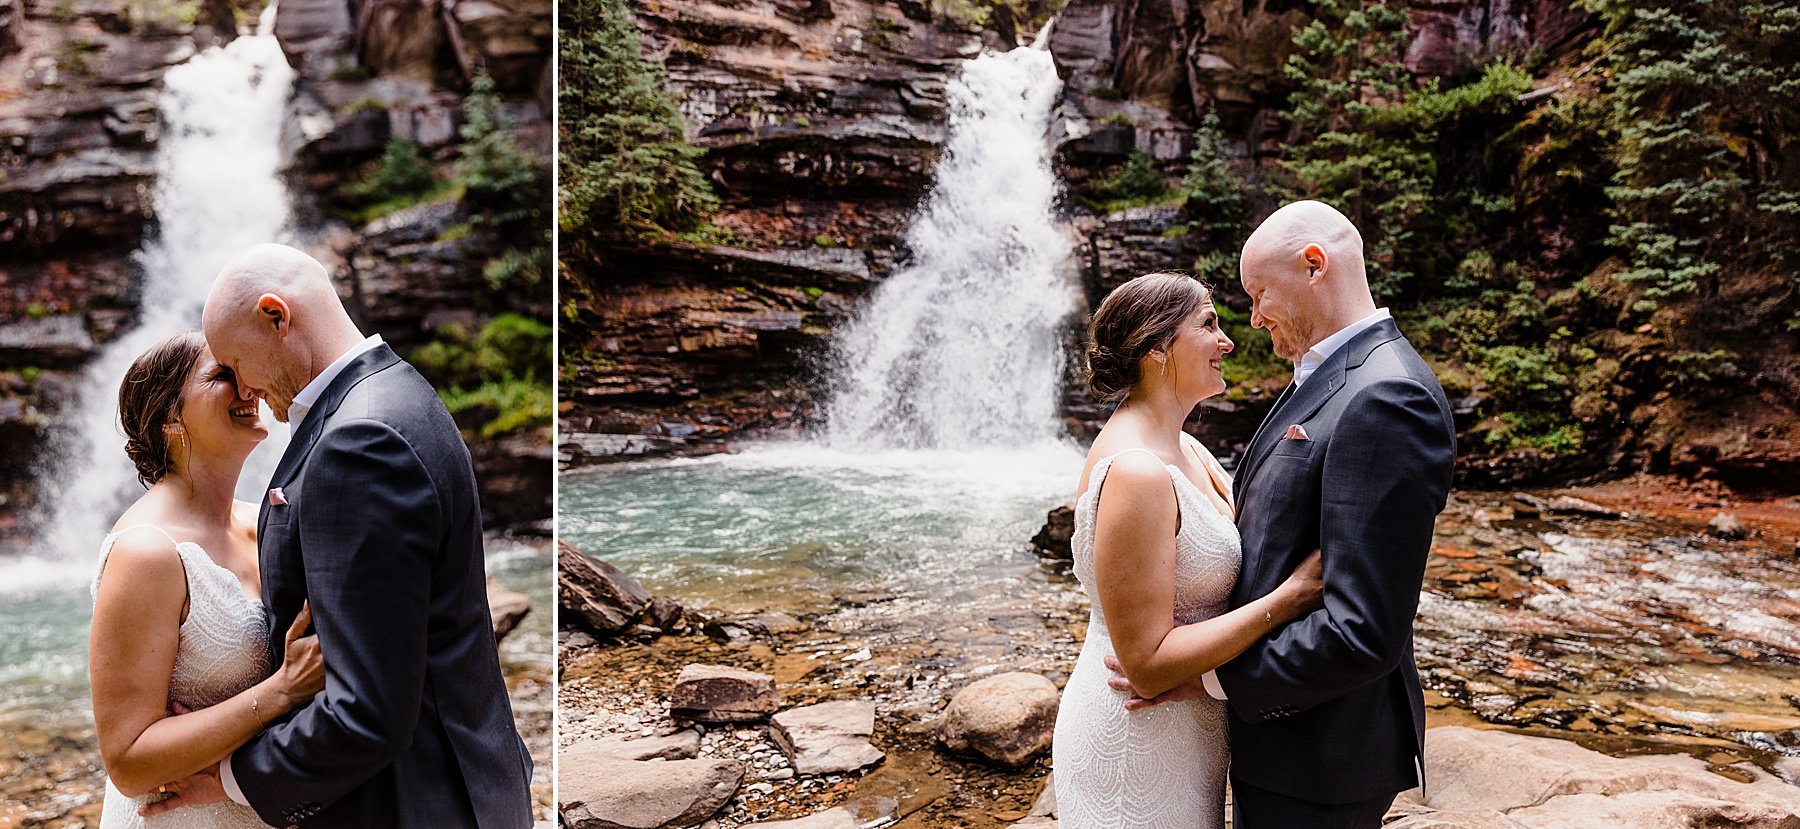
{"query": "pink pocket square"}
(277, 497)
(1295, 432)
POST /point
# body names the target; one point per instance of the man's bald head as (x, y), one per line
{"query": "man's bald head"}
(1288, 231)
(274, 318)
(1303, 268)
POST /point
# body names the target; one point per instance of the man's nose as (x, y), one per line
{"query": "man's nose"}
(244, 392)
(1256, 317)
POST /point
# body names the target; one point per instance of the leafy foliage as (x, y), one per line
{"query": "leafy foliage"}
(504, 367)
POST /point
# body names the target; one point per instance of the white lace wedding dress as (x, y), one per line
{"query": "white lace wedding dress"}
(224, 648)
(1164, 766)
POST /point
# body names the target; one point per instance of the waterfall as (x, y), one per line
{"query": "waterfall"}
(961, 347)
(217, 192)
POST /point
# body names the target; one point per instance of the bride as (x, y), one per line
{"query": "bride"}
(179, 651)
(1156, 553)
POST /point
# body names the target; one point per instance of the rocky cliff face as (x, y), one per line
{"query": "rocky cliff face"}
(822, 121)
(79, 128)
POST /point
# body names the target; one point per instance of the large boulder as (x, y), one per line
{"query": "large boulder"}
(600, 791)
(1008, 718)
(1053, 541)
(829, 737)
(1478, 779)
(506, 607)
(597, 593)
(720, 693)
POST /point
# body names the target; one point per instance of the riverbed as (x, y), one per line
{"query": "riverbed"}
(900, 579)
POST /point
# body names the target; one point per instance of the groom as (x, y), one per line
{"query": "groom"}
(1328, 720)
(371, 516)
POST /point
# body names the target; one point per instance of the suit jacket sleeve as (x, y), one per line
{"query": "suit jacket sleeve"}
(1386, 475)
(369, 522)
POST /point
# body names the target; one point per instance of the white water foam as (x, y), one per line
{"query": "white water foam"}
(218, 191)
(961, 347)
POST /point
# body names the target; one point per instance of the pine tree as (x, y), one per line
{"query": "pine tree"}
(505, 186)
(1215, 198)
(623, 155)
(1349, 67)
(1705, 100)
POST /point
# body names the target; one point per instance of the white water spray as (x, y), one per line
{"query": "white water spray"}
(217, 192)
(961, 348)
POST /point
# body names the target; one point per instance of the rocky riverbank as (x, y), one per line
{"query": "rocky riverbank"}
(1587, 714)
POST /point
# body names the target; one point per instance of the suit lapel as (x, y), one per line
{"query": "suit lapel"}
(1243, 467)
(359, 369)
(1324, 382)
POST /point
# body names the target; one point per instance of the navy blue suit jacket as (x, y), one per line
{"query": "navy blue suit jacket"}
(381, 531)
(1328, 709)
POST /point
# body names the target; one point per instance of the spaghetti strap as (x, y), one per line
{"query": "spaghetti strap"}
(165, 533)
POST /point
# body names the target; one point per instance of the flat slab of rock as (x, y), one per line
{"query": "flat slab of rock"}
(682, 745)
(836, 817)
(1575, 506)
(1480, 779)
(828, 737)
(720, 693)
(600, 791)
(1008, 718)
(595, 592)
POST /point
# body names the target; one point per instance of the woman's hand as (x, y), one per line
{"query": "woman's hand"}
(1303, 592)
(302, 671)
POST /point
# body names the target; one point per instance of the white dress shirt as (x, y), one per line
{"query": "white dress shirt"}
(297, 411)
(1316, 356)
(1303, 368)
(309, 396)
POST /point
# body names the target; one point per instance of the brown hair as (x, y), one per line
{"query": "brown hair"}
(1137, 318)
(150, 398)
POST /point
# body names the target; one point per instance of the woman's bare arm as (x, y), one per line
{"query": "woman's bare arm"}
(1134, 567)
(131, 654)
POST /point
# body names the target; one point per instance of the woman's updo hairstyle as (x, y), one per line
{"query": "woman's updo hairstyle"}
(1138, 317)
(150, 399)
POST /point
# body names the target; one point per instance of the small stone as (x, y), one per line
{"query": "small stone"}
(718, 693)
(1727, 526)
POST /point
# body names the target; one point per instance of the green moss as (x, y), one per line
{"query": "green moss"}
(364, 104)
(505, 367)
(518, 405)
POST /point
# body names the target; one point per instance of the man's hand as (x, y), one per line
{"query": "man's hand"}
(197, 789)
(1192, 689)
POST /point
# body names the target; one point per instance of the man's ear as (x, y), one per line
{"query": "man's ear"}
(273, 313)
(1317, 261)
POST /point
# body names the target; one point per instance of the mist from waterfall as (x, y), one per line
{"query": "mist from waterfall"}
(218, 191)
(961, 347)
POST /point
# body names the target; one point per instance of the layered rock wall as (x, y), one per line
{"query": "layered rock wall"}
(79, 82)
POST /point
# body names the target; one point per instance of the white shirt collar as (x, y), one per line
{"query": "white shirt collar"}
(1316, 356)
(309, 396)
